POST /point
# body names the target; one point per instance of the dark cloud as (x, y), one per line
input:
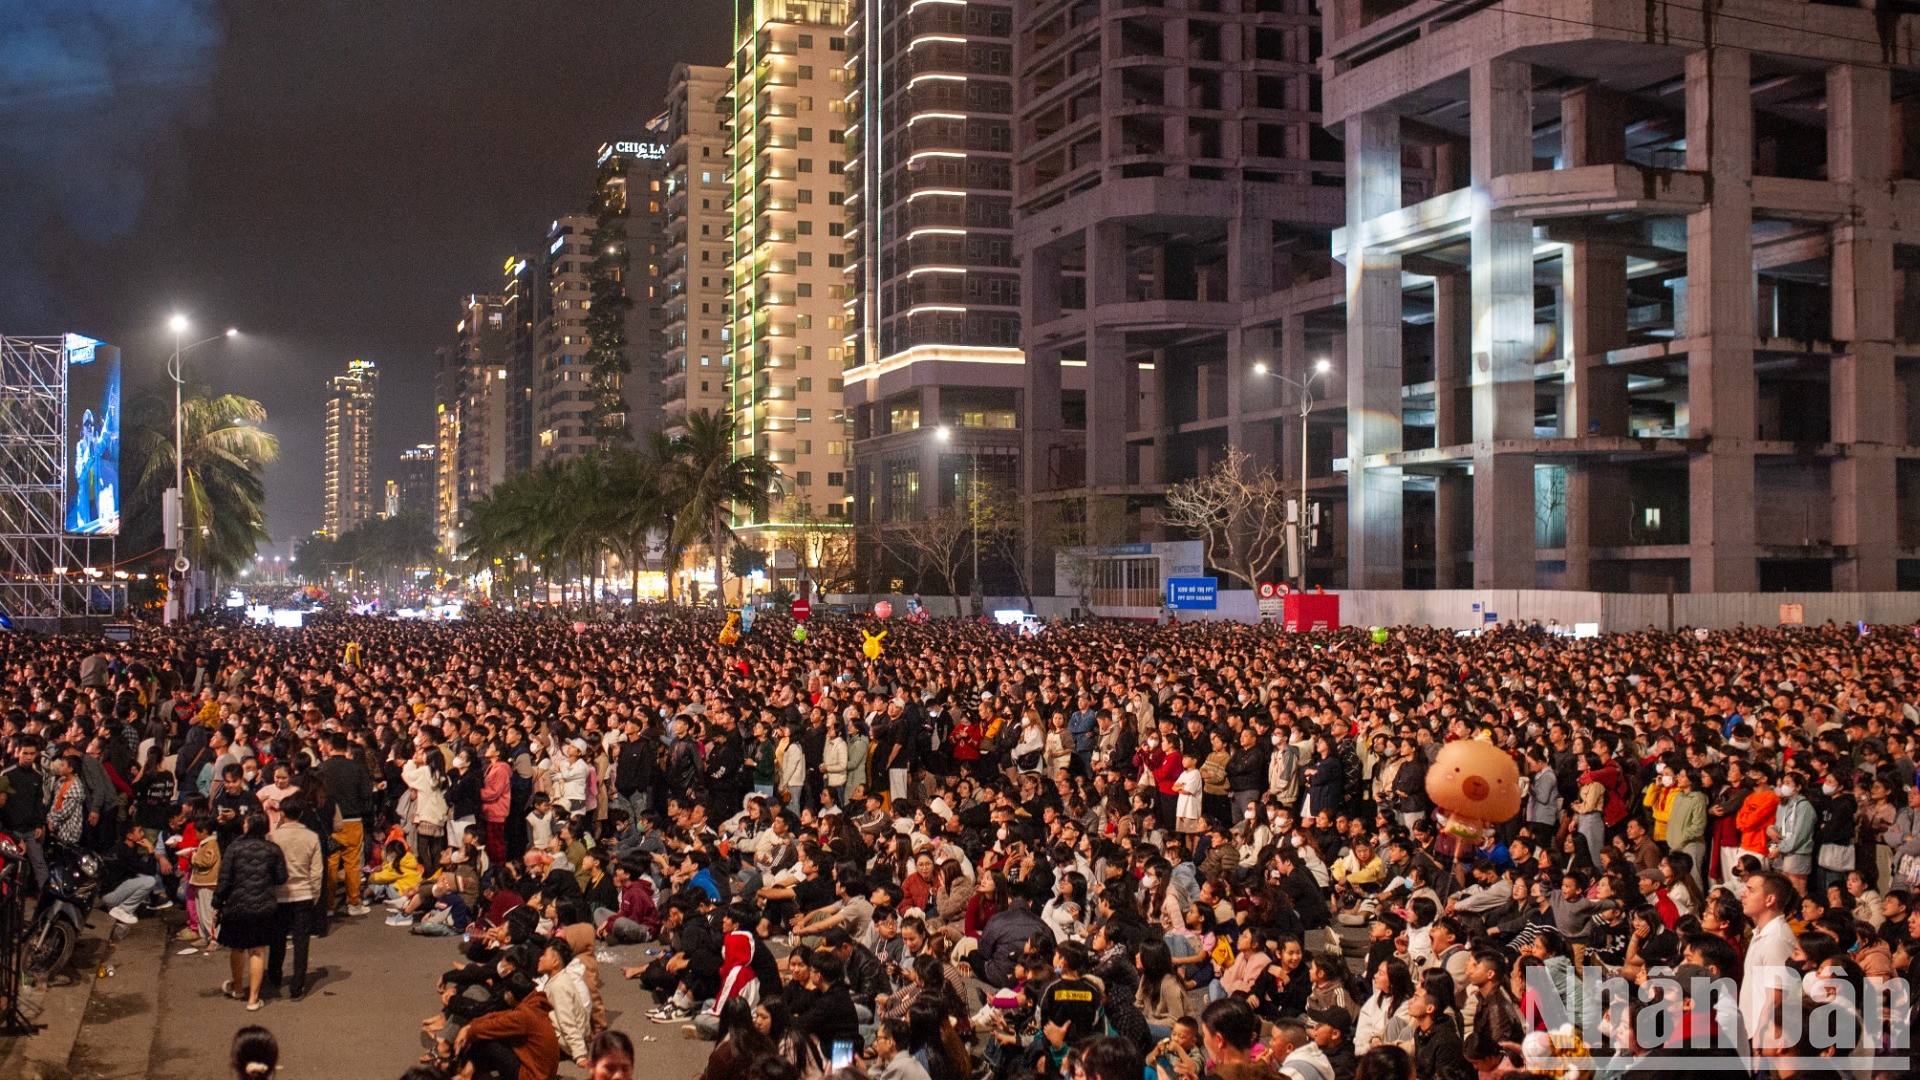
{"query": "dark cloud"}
(327, 176)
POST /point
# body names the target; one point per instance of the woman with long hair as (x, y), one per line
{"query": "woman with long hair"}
(741, 1043)
(1161, 996)
(1383, 1019)
(935, 1043)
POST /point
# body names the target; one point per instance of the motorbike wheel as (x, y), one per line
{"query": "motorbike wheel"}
(50, 948)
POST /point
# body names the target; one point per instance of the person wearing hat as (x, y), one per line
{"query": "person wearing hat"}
(1332, 1032)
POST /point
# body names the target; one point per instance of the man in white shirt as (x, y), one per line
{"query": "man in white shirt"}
(1768, 976)
(564, 980)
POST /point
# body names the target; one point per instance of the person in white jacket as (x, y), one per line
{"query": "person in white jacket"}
(426, 779)
(790, 777)
(570, 768)
(566, 987)
(833, 759)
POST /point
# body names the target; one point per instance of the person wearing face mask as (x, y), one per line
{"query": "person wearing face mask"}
(1792, 832)
(1834, 833)
(1687, 820)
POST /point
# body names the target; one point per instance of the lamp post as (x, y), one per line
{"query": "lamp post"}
(1320, 367)
(176, 499)
(945, 434)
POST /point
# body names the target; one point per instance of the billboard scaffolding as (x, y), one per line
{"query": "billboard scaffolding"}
(33, 475)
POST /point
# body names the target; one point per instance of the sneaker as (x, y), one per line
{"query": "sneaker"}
(186, 935)
(123, 916)
(358, 909)
(689, 1032)
(397, 919)
(161, 905)
(674, 1014)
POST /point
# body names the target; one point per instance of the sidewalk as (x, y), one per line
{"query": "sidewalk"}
(63, 1008)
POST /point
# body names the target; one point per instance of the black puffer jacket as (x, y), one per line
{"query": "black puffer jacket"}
(250, 870)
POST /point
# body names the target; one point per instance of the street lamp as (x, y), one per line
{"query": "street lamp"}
(1320, 367)
(945, 435)
(175, 499)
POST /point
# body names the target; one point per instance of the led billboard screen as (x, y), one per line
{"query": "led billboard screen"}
(93, 437)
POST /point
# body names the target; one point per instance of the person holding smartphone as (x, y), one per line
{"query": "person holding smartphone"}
(888, 1055)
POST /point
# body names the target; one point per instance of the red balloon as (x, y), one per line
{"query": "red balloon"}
(883, 610)
(579, 627)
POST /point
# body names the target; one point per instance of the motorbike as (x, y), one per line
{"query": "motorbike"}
(66, 906)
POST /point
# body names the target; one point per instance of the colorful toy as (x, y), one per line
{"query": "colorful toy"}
(883, 610)
(800, 634)
(728, 634)
(872, 646)
(1475, 785)
(747, 615)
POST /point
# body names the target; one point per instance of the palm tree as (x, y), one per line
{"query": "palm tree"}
(641, 505)
(708, 480)
(225, 449)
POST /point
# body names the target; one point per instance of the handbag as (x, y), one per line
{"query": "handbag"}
(1836, 857)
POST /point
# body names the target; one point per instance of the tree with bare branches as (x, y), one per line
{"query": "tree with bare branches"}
(1238, 511)
(937, 544)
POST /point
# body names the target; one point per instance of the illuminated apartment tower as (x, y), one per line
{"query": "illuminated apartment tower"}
(350, 498)
(695, 263)
(935, 301)
(411, 489)
(624, 269)
(562, 395)
(447, 391)
(486, 357)
(525, 304)
(788, 248)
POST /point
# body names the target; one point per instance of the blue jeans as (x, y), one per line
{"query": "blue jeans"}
(130, 894)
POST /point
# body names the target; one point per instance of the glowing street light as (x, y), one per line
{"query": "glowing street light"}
(1305, 386)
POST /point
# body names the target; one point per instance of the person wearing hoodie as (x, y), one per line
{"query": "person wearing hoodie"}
(1300, 1057)
(1687, 819)
(1792, 832)
(1756, 814)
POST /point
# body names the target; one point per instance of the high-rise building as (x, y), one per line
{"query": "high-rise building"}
(412, 488)
(1627, 293)
(627, 317)
(525, 303)
(934, 302)
(562, 391)
(787, 93)
(1173, 200)
(695, 262)
(350, 498)
(449, 390)
(485, 346)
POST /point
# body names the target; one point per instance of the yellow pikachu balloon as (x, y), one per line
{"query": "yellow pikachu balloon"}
(729, 635)
(872, 646)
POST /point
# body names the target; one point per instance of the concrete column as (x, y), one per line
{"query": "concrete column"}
(1040, 430)
(1593, 127)
(1864, 389)
(1375, 556)
(1246, 390)
(1452, 530)
(1452, 359)
(932, 450)
(1720, 382)
(1502, 375)
(1107, 387)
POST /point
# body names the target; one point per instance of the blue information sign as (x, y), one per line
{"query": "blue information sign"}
(1192, 593)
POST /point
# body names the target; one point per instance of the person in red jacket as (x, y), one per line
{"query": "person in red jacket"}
(522, 1034)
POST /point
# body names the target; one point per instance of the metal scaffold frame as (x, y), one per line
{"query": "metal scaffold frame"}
(33, 476)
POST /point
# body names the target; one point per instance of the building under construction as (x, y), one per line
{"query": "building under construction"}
(1617, 300)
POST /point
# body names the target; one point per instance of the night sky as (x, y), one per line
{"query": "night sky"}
(327, 176)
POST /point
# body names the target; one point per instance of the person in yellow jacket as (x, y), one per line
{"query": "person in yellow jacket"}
(399, 872)
(1659, 798)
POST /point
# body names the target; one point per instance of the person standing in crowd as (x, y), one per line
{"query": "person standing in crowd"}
(298, 896)
(252, 870)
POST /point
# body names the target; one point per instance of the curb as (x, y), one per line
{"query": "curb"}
(48, 1055)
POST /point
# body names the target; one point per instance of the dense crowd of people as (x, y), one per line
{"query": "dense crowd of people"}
(1107, 851)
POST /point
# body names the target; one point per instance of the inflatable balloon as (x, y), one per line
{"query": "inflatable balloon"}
(883, 610)
(747, 615)
(579, 627)
(800, 634)
(1379, 635)
(729, 635)
(872, 646)
(1474, 785)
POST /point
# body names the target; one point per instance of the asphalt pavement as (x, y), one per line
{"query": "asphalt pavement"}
(160, 1015)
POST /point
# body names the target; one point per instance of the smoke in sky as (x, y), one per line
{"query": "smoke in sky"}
(91, 95)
